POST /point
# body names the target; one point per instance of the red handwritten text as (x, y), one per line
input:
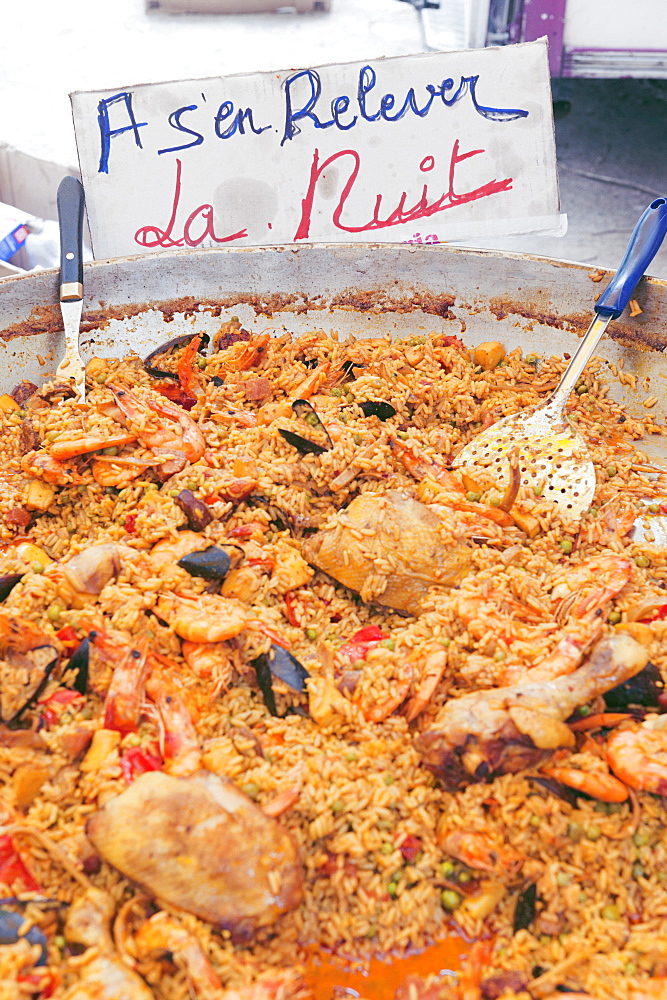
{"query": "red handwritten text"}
(153, 236)
(422, 209)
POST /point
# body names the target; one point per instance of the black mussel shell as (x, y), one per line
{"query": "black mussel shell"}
(213, 563)
(349, 366)
(217, 381)
(561, 792)
(10, 925)
(643, 689)
(167, 348)
(79, 661)
(524, 912)
(7, 583)
(303, 446)
(314, 430)
(195, 510)
(36, 665)
(285, 667)
(377, 408)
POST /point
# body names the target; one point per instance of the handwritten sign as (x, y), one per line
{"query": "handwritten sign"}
(425, 148)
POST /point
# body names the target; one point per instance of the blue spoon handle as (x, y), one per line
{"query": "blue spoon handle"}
(643, 246)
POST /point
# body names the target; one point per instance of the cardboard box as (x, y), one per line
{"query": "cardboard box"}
(236, 6)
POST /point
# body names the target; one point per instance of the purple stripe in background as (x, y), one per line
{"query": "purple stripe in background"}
(545, 17)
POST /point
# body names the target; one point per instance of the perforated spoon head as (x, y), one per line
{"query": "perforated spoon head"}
(552, 457)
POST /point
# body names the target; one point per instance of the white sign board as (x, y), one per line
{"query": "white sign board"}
(427, 148)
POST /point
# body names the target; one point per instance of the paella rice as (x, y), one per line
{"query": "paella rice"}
(279, 683)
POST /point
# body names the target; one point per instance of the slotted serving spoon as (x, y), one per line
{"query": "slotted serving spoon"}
(549, 450)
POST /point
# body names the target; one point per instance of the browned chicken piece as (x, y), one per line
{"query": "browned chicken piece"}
(388, 548)
(503, 730)
(199, 843)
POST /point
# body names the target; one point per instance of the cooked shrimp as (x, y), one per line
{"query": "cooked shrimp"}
(434, 667)
(69, 447)
(186, 373)
(245, 353)
(41, 465)
(505, 729)
(382, 710)
(421, 467)
(207, 618)
(178, 432)
(597, 784)
(479, 850)
(122, 705)
(161, 933)
(179, 742)
(638, 756)
(210, 661)
(119, 471)
(588, 585)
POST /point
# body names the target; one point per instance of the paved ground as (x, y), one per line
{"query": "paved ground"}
(612, 142)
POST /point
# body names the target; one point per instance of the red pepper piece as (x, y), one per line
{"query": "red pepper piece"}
(131, 523)
(657, 615)
(69, 639)
(57, 703)
(290, 614)
(411, 847)
(358, 646)
(12, 867)
(139, 760)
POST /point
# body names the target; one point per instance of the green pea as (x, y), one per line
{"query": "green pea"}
(312, 419)
(614, 617)
(351, 757)
(337, 807)
(100, 379)
(446, 868)
(51, 436)
(584, 710)
(36, 566)
(495, 500)
(639, 839)
(581, 389)
(611, 471)
(311, 633)
(500, 656)
(388, 644)
(537, 491)
(445, 642)
(59, 941)
(642, 561)
(566, 545)
(392, 889)
(152, 486)
(593, 832)
(574, 830)
(336, 391)
(562, 879)
(630, 968)
(251, 789)
(54, 612)
(110, 451)
(201, 362)
(174, 493)
(403, 435)
(530, 359)
(655, 508)
(535, 820)
(610, 912)
(465, 877)
(358, 438)
(450, 899)
(389, 779)
(637, 870)
(386, 849)
(473, 497)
